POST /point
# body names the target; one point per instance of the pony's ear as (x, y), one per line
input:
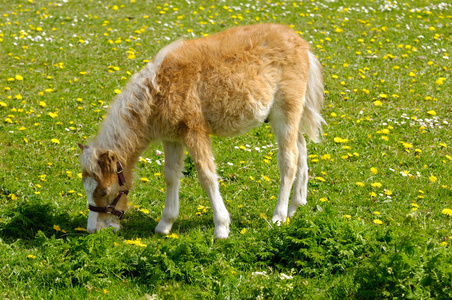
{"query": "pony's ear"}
(82, 147)
(107, 162)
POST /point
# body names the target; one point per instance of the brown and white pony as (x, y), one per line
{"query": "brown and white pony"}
(222, 85)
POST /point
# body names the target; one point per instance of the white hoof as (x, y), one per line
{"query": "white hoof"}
(278, 220)
(163, 228)
(292, 211)
(293, 207)
(221, 232)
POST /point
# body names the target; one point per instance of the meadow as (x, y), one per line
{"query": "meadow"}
(378, 220)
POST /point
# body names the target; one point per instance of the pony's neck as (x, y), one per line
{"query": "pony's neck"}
(126, 130)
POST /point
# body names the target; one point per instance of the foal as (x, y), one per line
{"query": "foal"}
(223, 85)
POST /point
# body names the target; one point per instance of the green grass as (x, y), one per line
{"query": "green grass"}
(376, 224)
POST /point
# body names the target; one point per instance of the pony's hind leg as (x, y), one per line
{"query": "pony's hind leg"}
(300, 187)
(286, 134)
(198, 145)
(174, 163)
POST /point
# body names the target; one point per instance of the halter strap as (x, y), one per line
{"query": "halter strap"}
(110, 208)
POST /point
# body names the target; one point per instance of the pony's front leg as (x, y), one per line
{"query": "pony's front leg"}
(198, 145)
(174, 163)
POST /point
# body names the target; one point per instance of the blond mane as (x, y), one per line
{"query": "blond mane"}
(123, 128)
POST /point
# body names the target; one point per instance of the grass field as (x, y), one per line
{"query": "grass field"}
(379, 214)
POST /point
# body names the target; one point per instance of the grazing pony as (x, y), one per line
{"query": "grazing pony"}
(223, 85)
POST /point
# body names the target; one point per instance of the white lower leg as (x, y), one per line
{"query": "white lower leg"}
(286, 161)
(173, 168)
(300, 189)
(171, 210)
(221, 217)
(280, 214)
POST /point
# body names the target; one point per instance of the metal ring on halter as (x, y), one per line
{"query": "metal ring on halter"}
(111, 208)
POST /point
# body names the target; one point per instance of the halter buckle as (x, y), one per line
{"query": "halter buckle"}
(109, 209)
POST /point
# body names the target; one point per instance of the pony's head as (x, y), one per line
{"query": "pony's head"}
(104, 186)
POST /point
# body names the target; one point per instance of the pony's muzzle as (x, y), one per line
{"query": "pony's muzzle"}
(98, 221)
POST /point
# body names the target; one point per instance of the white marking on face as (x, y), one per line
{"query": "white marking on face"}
(90, 186)
(91, 227)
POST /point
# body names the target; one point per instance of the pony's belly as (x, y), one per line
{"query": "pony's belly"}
(239, 121)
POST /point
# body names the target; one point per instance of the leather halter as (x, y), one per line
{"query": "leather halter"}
(110, 209)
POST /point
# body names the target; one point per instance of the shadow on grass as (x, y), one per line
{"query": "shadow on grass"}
(26, 219)
(141, 225)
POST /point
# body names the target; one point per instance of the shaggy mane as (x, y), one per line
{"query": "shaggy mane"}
(122, 129)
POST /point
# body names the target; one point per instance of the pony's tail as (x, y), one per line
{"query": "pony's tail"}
(311, 120)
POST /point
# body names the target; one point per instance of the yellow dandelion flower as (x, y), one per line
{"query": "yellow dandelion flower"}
(243, 231)
(447, 212)
(374, 170)
(407, 145)
(378, 221)
(172, 236)
(326, 156)
(144, 211)
(440, 80)
(55, 141)
(340, 140)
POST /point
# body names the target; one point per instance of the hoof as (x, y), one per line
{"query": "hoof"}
(163, 228)
(221, 233)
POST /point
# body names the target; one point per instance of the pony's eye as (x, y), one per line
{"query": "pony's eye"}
(103, 192)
